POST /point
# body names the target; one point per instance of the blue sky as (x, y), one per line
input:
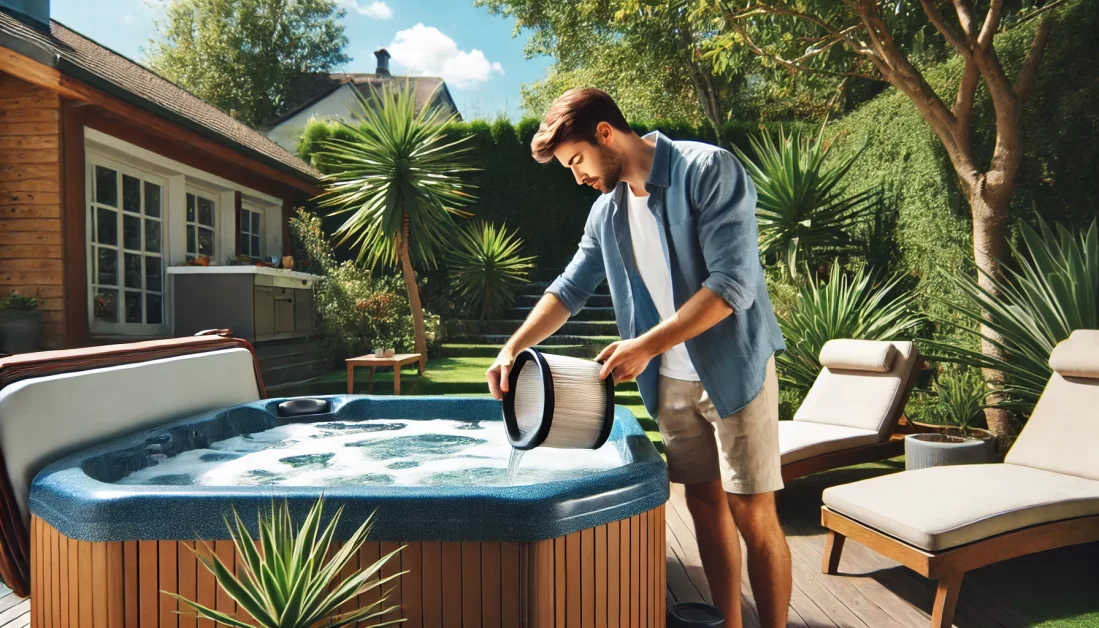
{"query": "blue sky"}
(474, 51)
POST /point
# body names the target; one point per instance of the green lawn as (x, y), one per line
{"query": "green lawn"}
(1051, 597)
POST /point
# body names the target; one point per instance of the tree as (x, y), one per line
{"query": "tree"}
(872, 49)
(243, 55)
(400, 178)
(645, 35)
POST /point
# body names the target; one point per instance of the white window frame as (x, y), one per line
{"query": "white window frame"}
(213, 197)
(261, 234)
(103, 328)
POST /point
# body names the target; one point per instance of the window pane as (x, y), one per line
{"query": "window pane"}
(106, 266)
(92, 228)
(190, 208)
(153, 309)
(191, 239)
(205, 242)
(106, 186)
(244, 250)
(131, 194)
(133, 270)
(255, 222)
(205, 212)
(131, 232)
(133, 307)
(152, 235)
(152, 199)
(244, 220)
(106, 226)
(255, 246)
(106, 305)
(152, 274)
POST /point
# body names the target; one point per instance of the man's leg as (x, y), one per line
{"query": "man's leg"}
(718, 546)
(768, 555)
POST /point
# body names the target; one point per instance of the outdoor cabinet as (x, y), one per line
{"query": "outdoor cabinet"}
(257, 303)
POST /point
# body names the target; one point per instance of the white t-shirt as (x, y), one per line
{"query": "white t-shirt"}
(652, 265)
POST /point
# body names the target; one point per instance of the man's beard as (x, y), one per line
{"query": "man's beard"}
(611, 162)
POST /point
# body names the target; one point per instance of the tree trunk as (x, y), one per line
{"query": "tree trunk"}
(989, 248)
(413, 295)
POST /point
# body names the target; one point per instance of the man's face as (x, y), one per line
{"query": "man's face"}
(597, 165)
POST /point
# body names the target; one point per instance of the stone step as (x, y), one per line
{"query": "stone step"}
(455, 350)
(499, 339)
(297, 370)
(596, 300)
(571, 328)
(281, 348)
(539, 287)
(587, 314)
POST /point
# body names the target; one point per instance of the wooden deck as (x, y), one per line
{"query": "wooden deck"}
(872, 591)
(15, 612)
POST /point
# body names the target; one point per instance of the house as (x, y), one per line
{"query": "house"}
(112, 178)
(334, 96)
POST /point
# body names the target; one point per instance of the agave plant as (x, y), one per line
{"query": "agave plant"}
(400, 177)
(1050, 290)
(487, 268)
(846, 306)
(803, 206)
(286, 582)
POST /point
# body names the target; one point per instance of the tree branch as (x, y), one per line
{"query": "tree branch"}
(955, 38)
(967, 17)
(1034, 14)
(768, 9)
(963, 102)
(1025, 80)
(991, 25)
(795, 65)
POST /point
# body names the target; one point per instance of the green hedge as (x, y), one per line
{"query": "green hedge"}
(541, 201)
(1061, 143)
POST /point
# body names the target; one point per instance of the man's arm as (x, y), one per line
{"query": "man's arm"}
(565, 297)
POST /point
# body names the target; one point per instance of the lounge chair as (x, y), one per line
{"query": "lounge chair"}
(851, 413)
(944, 521)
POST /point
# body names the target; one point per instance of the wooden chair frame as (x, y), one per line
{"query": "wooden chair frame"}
(948, 567)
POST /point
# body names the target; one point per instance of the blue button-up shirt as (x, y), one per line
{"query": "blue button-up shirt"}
(704, 203)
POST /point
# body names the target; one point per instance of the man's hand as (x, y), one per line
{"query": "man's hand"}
(626, 359)
(497, 374)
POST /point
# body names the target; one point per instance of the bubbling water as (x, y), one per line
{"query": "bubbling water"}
(436, 452)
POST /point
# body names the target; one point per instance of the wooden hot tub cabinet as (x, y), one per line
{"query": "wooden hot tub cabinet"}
(611, 575)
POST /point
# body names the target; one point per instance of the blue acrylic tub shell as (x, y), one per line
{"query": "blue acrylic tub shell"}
(76, 495)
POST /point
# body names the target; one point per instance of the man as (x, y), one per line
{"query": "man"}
(674, 234)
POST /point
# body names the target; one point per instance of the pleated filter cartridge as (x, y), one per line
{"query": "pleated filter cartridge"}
(557, 401)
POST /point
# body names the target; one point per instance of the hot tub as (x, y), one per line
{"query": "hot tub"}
(568, 548)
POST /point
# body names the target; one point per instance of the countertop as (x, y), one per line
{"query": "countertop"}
(240, 270)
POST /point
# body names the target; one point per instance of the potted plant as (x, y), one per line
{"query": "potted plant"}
(20, 324)
(286, 581)
(953, 438)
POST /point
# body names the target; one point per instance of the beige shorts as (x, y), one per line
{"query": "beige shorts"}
(740, 449)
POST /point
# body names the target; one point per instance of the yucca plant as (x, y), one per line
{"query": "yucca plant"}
(804, 208)
(487, 268)
(1049, 289)
(399, 176)
(959, 398)
(846, 306)
(286, 581)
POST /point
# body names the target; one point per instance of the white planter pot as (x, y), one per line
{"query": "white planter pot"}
(937, 450)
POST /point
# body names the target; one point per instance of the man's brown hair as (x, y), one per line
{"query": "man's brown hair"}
(573, 117)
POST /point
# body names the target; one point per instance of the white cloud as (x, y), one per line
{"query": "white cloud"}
(425, 50)
(375, 11)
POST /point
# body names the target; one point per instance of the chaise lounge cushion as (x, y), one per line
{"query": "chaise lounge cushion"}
(939, 508)
(799, 440)
(1078, 356)
(865, 400)
(847, 354)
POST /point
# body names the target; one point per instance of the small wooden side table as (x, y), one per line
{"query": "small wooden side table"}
(373, 362)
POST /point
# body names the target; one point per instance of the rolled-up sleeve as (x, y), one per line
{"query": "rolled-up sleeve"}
(725, 204)
(585, 272)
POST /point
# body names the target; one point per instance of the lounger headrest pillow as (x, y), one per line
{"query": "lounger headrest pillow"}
(876, 356)
(1078, 356)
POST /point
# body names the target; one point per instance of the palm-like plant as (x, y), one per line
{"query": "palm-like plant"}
(400, 178)
(487, 267)
(1050, 290)
(286, 582)
(847, 306)
(803, 206)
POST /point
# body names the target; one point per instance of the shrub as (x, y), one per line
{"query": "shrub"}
(486, 268)
(958, 399)
(19, 303)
